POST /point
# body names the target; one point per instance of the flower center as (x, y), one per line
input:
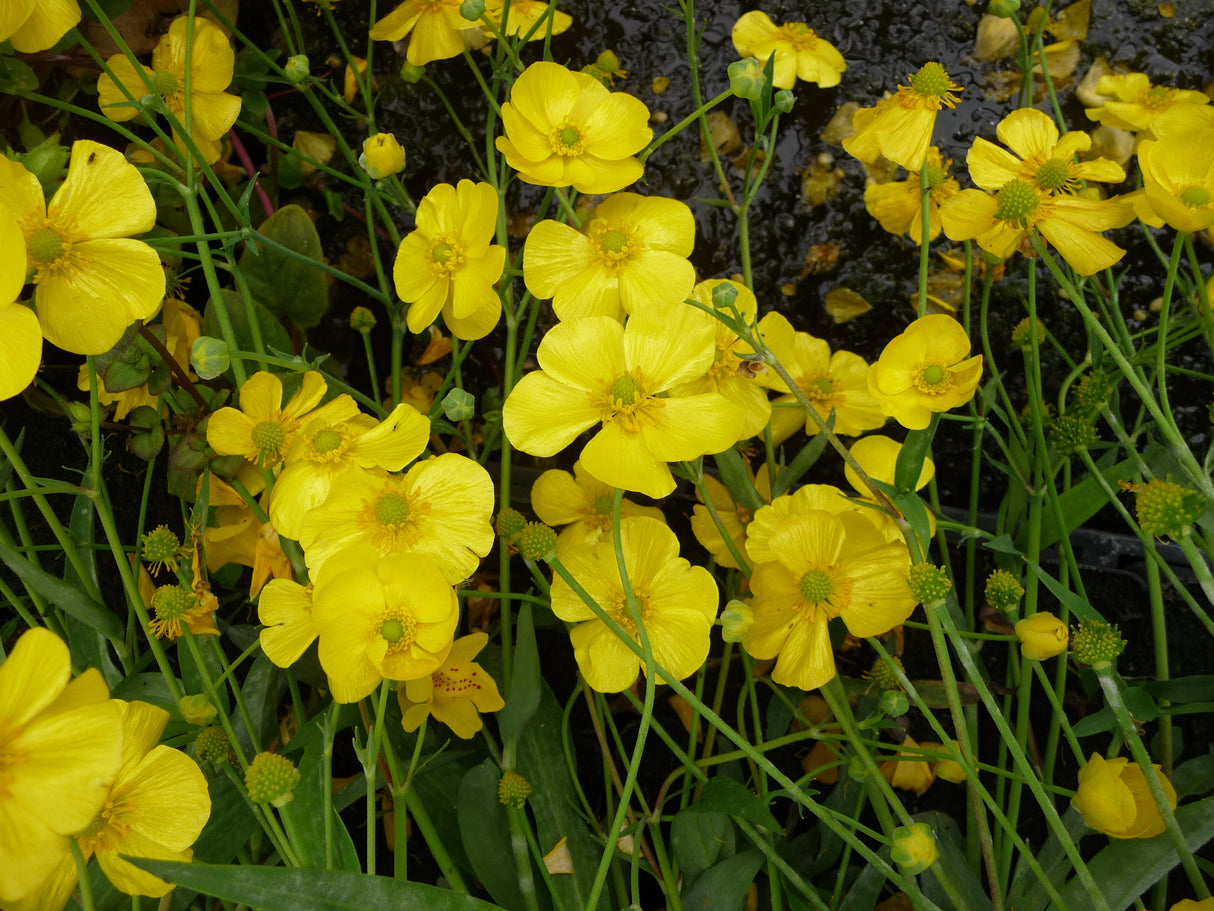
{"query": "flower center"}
(613, 246)
(604, 504)
(1016, 202)
(391, 509)
(326, 441)
(800, 36)
(1054, 175)
(626, 389)
(164, 83)
(932, 79)
(628, 401)
(933, 379)
(399, 631)
(818, 388)
(567, 140)
(826, 590)
(816, 585)
(1156, 98)
(45, 246)
(268, 437)
(445, 257)
(614, 241)
(1195, 197)
(935, 175)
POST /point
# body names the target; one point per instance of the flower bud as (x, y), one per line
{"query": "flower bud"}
(459, 405)
(913, 848)
(472, 10)
(271, 778)
(1004, 9)
(736, 620)
(782, 101)
(197, 709)
(362, 320)
(209, 357)
(1042, 636)
(297, 69)
(894, 703)
(536, 541)
(382, 156)
(725, 295)
(1114, 798)
(513, 789)
(746, 79)
(212, 745)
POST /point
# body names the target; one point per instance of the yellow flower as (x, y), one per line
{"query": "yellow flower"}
(60, 749)
(632, 251)
(900, 127)
(439, 31)
(20, 337)
(800, 53)
(580, 503)
(925, 370)
(92, 280)
(439, 508)
(448, 264)
(285, 612)
(729, 373)
(595, 370)
(212, 109)
(262, 430)
(1042, 636)
(527, 18)
(382, 156)
(735, 518)
(455, 694)
(823, 566)
(1188, 904)
(1038, 156)
(324, 453)
(898, 206)
(909, 770)
(156, 808)
(1114, 798)
(238, 536)
(566, 129)
(1178, 177)
(36, 25)
(381, 617)
(913, 848)
(677, 601)
(878, 456)
(832, 382)
(1134, 103)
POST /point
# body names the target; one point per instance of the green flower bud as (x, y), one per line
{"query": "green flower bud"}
(513, 790)
(209, 357)
(746, 79)
(297, 69)
(472, 10)
(509, 523)
(212, 745)
(894, 703)
(382, 156)
(197, 709)
(459, 405)
(362, 320)
(736, 620)
(1004, 9)
(536, 541)
(783, 101)
(271, 778)
(724, 295)
(913, 848)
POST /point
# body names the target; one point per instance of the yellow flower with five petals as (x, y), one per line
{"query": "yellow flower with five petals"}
(900, 127)
(800, 52)
(455, 694)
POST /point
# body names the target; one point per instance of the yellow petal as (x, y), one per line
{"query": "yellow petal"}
(553, 254)
(20, 348)
(543, 416)
(13, 16)
(1027, 132)
(49, 21)
(990, 166)
(398, 23)
(622, 459)
(104, 194)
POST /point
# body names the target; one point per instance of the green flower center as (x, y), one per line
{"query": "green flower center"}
(626, 389)
(45, 246)
(172, 602)
(935, 176)
(615, 241)
(823, 385)
(570, 137)
(1016, 201)
(816, 586)
(1195, 197)
(934, 374)
(268, 437)
(398, 631)
(441, 254)
(391, 509)
(932, 79)
(1157, 98)
(603, 505)
(326, 441)
(164, 83)
(1054, 174)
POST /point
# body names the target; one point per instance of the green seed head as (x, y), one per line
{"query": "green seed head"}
(1054, 174)
(1096, 644)
(931, 80)
(509, 523)
(929, 584)
(536, 541)
(1003, 591)
(271, 778)
(1167, 510)
(212, 745)
(1016, 201)
(513, 790)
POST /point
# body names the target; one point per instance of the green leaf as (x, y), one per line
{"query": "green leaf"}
(273, 335)
(724, 795)
(307, 810)
(912, 455)
(866, 889)
(71, 599)
(280, 889)
(289, 287)
(723, 887)
(697, 838)
(952, 864)
(1082, 501)
(485, 832)
(1137, 699)
(1125, 870)
(1183, 690)
(524, 694)
(1026, 893)
(16, 76)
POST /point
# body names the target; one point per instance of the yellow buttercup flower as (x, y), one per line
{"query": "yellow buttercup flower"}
(92, 280)
(898, 205)
(596, 371)
(1178, 178)
(212, 109)
(381, 617)
(60, 749)
(382, 156)
(1134, 104)
(735, 518)
(1038, 156)
(900, 127)
(285, 612)
(566, 129)
(632, 251)
(35, 25)
(439, 508)
(323, 453)
(455, 694)
(528, 18)
(20, 337)
(1042, 635)
(156, 808)
(449, 264)
(909, 770)
(800, 52)
(262, 429)
(677, 601)
(831, 381)
(729, 374)
(582, 504)
(1114, 798)
(823, 566)
(925, 370)
(439, 30)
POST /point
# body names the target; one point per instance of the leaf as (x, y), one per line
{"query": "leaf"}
(307, 810)
(697, 838)
(288, 285)
(724, 795)
(524, 695)
(16, 76)
(280, 889)
(1137, 699)
(1026, 893)
(953, 864)
(273, 335)
(723, 887)
(485, 832)
(1183, 690)
(71, 599)
(1080, 502)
